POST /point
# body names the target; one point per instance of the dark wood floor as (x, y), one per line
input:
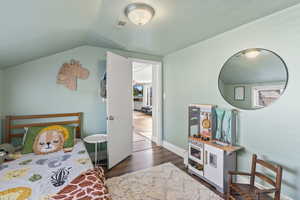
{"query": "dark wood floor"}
(148, 158)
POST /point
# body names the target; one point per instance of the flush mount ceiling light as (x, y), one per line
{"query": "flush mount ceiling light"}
(253, 53)
(139, 13)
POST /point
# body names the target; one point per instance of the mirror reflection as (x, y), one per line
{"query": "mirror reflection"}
(253, 79)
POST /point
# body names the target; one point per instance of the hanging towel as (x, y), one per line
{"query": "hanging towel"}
(224, 121)
(220, 116)
(227, 126)
(103, 86)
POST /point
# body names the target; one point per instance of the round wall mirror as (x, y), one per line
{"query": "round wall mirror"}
(253, 78)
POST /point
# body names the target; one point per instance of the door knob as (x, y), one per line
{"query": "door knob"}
(110, 118)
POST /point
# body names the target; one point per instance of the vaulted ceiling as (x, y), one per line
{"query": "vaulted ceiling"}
(33, 28)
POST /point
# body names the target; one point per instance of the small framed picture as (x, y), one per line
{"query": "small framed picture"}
(239, 93)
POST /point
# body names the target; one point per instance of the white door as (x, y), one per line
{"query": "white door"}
(213, 166)
(119, 108)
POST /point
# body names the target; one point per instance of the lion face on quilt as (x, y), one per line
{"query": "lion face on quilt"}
(48, 141)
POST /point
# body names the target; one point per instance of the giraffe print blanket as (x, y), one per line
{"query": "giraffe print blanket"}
(89, 185)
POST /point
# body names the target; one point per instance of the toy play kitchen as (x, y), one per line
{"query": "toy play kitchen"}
(212, 143)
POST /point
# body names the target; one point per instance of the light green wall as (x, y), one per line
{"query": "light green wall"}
(31, 87)
(228, 92)
(191, 76)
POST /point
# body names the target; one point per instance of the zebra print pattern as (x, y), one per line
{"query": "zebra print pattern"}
(60, 176)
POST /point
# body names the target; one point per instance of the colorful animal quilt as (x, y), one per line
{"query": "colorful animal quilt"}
(38, 177)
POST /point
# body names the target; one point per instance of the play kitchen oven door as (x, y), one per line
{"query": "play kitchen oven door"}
(196, 161)
(196, 153)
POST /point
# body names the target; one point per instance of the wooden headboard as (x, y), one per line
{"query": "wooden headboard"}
(10, 126)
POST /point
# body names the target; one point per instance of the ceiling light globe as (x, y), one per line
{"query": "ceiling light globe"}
(139, 14)
(252, 53)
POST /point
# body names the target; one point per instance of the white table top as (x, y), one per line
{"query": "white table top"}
(96, 138)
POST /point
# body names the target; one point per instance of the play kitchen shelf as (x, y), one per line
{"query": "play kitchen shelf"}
(211, 150)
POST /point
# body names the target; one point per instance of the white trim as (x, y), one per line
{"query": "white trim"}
(175, 149)
(157, 102)
(242, 179)
(144, 61)
(157, 98)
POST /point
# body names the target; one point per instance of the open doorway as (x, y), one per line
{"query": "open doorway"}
(142, 105)
(118, 87)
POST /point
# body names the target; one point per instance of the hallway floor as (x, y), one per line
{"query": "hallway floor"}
(142, 133)
(141, 143)
(142, 124)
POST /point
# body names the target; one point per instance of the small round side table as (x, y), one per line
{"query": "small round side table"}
(96, 139)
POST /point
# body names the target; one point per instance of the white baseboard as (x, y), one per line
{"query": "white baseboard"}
(177, 150)
(242, 179)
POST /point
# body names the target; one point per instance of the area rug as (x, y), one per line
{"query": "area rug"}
(163, 182)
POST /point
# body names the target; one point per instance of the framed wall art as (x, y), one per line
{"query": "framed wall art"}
(239, 93)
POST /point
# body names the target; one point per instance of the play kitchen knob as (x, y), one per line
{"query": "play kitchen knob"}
(110, 118)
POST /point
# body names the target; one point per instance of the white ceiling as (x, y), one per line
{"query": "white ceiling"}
(142, 72)
(33, 28)
(266, 67)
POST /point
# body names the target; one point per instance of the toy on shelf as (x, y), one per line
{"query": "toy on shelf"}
(209, 122)
(206, 124)
(201, 121)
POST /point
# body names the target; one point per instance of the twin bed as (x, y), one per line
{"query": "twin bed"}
(58, 175)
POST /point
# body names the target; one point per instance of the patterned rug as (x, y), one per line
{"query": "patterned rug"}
(163, 182)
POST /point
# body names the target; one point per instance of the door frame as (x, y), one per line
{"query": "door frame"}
(157, 98)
